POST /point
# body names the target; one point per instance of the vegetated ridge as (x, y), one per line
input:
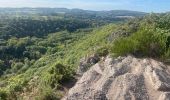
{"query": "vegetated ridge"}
(39, 63)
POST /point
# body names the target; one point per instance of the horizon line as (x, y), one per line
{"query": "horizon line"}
(83, 9)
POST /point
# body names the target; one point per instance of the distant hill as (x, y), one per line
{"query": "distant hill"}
(19, 21)
(65, 10)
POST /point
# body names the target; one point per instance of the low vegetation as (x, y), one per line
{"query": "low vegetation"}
(150, 40)
(37, 62)
(48, 62)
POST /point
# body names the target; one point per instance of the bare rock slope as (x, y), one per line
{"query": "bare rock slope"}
(124, 78)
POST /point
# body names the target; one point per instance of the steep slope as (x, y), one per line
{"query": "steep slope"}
(46, 77)
(123, 78)
(43, 80)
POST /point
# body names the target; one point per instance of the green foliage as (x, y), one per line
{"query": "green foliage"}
(124, 46)
(60, 73)
(142, 43)
(103, 51)
(149, 40)
(17, 66)
(1, 67)
(39, 27)
(46, 93)
(3, 95)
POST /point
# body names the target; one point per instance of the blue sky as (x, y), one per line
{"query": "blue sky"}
(137, 5)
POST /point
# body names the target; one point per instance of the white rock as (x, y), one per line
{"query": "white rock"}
(124, 78)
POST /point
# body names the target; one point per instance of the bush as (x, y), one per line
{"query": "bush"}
(103, 51)
(124, 46)
(2, 65)
(142, 43)
(17, 66)
(60, 73)
(3, 95)
(47, 94)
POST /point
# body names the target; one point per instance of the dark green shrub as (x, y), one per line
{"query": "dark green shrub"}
(103, 51)
(3, 95)
(60, 73)
(2, 65)
(17, 66)
(17, 88)
(47, 93)
(1, 72)
(142, 43)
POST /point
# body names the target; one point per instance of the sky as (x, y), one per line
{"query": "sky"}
(135, 5)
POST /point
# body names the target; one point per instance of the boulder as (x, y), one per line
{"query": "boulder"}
(123, 78)
(86, 63)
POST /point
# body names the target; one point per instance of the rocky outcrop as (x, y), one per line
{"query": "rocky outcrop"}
(86, 63)
(124, 78)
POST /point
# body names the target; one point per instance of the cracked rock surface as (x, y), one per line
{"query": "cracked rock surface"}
(124, 78)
